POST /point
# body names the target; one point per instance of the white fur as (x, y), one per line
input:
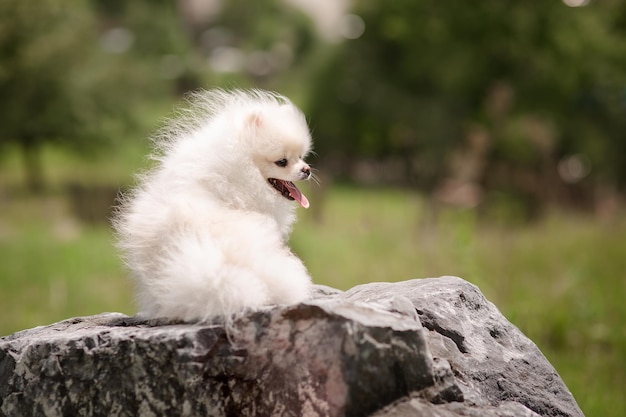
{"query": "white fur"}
(204, 233)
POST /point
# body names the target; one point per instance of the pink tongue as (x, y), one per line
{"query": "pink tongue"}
(296, 194)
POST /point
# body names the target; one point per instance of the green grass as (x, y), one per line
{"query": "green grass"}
(53, 267)
(561, 280)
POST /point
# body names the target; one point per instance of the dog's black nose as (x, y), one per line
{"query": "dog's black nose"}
(306, 171)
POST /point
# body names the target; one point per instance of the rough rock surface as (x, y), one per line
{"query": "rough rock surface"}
(429, 347)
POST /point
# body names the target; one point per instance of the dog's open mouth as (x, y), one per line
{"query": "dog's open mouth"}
(289, 190)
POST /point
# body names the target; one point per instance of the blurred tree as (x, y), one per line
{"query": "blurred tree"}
(263, 24)
(259, 43)
(161, 53)
(42, 46)
(74, 78)
(542, 79)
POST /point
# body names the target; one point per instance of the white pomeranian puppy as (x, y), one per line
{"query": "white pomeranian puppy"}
(205, 232)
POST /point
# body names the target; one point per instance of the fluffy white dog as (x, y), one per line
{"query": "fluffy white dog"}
(205, 232)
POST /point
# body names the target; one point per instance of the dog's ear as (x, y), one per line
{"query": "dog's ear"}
(255, 119)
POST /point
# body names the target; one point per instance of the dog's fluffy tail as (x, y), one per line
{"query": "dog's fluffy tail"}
(195, 281)
(199, 279)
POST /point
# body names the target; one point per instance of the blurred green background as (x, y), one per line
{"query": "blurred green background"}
(479, 139)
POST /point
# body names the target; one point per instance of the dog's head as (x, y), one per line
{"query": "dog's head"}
(280, 140)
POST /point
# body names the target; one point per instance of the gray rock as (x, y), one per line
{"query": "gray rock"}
(417, 407)
(492, 360)
(416, 348)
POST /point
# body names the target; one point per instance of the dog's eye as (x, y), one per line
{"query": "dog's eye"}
(281, 163)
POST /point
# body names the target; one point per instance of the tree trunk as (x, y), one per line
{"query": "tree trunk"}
(33, 169)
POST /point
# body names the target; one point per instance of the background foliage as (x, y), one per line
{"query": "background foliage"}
(482, 140)
(541, 81)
